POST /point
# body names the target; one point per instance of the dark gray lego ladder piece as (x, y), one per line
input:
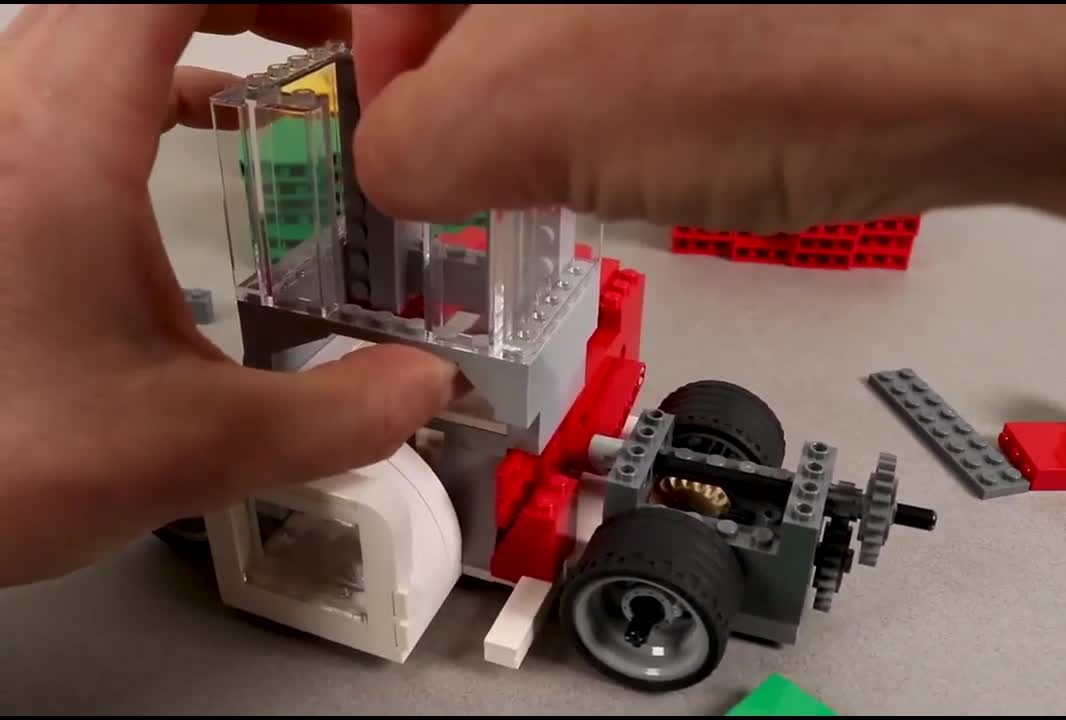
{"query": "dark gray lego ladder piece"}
(982, 468)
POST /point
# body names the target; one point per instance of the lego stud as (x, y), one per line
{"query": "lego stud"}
(770, 516)
(298, 62)
(813, 469)
(636, 452)
(276, 71)
(803, 512)
(728, 528)
(763, 537)
(818, 449)
(808, 490)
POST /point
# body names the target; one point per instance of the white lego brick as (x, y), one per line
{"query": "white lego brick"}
(408, 557)
(512, 634)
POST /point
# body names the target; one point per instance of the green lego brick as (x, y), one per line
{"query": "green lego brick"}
(778, 696)
(289, 190)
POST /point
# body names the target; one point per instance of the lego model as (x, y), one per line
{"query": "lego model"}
(656, 532)
(886, 243)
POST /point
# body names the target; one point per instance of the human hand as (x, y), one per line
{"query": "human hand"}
(118, 416)
(731, 117)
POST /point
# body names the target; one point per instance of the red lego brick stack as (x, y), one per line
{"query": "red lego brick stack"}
(885, 243)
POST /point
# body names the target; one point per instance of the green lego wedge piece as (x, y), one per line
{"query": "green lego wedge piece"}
(780, 697)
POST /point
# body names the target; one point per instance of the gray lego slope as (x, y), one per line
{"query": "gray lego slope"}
(983, 469)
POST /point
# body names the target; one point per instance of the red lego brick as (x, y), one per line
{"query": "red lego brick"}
(885, 243)
(776, 250)
(533, 543)
(1038, 451)
(515, 477)
(693, 241)
(470, 238)
(543, 535)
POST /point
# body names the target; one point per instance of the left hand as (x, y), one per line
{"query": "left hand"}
(118, 416)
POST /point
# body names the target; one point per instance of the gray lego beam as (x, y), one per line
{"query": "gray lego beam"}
(983, 469)
(630, 478)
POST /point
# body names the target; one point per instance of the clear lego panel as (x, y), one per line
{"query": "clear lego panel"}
(278, 142)
(313, 560)
(500, 280)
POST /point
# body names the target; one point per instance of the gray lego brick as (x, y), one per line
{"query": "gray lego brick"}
(983, 469)
(628, 482)
(469, 477)
(777, 552)
(200, 305)
(775, 631)
(779, 577)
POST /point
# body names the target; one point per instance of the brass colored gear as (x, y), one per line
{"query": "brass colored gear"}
(685, 494)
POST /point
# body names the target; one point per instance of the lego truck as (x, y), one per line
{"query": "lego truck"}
(653, 534)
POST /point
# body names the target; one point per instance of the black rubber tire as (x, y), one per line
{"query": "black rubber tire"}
(714, 416)
(675, 551)
(186, 537)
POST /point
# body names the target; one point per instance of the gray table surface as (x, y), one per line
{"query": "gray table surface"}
(965, 620)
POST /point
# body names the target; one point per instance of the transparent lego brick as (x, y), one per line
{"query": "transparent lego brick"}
(312, 560)
(278, 143)
(498, 282)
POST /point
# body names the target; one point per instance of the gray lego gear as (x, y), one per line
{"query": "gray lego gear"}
(828, 576)
(879, 507)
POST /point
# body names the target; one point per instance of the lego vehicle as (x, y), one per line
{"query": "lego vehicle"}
(657, 533)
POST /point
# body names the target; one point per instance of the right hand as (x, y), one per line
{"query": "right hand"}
(731, 117)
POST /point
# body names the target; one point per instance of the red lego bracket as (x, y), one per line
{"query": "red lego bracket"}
(1038, 451)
